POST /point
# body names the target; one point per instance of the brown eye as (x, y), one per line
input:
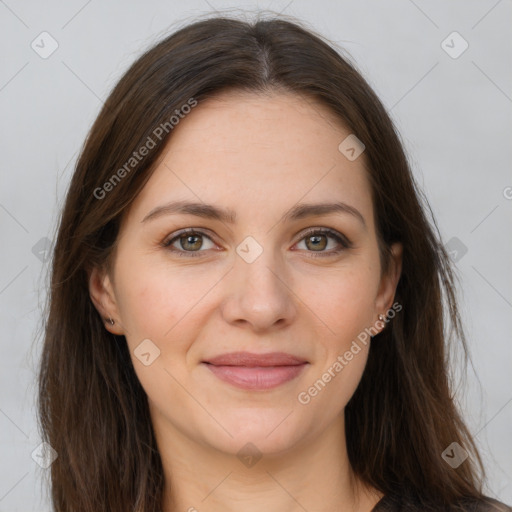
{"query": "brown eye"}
(318, 240)
(189, 242)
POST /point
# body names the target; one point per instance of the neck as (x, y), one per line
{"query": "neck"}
(313, 476)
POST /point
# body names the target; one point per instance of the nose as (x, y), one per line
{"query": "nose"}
(258, 295)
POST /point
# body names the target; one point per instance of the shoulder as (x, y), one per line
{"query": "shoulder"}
(405, 502)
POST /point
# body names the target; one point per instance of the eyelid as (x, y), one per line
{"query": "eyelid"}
(188, 231)
(327, 231)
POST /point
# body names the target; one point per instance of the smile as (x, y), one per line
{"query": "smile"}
(256, 377)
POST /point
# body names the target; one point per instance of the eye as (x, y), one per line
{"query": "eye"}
(191, 242)
(316, 240)
(188, 242)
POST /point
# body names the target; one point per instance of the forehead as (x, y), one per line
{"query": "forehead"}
(257, 153)
(248, 122)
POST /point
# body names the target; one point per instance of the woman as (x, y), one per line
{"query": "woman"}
(246, 308)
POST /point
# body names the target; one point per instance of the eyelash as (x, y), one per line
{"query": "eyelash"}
(342, 240)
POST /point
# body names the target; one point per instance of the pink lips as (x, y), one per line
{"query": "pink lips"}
(256, 371)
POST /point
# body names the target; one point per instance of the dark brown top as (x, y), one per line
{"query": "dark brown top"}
(407, 503)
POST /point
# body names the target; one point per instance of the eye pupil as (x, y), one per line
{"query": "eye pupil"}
(188, 238)
(317, 243)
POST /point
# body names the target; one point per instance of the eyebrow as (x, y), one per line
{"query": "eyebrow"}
(208, 211)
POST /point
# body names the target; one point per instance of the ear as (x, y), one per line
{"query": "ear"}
(102, 296)
(389, 281)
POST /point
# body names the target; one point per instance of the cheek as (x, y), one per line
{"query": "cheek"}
(344, 302)
(160, 304)
(154, 298)
(345, 310)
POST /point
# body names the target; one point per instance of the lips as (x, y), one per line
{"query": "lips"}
(251, 360)
(256, 371)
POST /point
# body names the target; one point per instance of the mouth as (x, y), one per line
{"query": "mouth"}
(256, 371)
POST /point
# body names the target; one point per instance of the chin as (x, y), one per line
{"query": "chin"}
(269, 430)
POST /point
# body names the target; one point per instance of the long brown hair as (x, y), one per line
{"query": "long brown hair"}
(93, 410)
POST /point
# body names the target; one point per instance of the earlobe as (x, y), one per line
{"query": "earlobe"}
(103, 297)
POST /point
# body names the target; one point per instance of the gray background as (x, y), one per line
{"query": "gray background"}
(454, 115)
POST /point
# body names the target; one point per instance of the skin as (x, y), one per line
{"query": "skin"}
(258, 155)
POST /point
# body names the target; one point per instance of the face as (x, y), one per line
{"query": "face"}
(257, 272)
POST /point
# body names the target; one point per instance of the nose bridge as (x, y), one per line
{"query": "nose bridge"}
(263, 274)
(259, 294)
(259, 268)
